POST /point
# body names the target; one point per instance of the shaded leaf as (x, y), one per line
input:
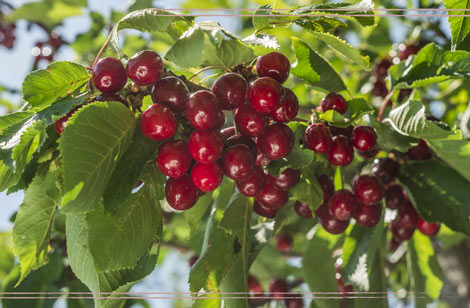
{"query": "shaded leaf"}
(460, 26)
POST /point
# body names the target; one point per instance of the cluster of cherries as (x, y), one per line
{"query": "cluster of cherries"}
(44, 50)
(278, 290)
(7, 32)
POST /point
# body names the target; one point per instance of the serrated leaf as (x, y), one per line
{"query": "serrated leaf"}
(460, 26)
(195, 214)
(389, 139)
(95, 138)
(264, 40)
(357, 108)
(315, 69)
(440, 193)
(43, 87)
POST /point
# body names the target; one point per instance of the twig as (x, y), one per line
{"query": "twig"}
(384, 104)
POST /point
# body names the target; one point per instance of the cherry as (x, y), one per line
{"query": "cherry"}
(318, 138)
(278, 287)
(394, 243)
(408, 51)
(230, 89)
(172, 92)
(286, 179)
(272, 197)
(342, 204)
(303, 210)
(341, 151)
(368, 189)
(229, 132)
(364, 138)
(428, 228)
(249, 122)
(334, 101)
(192, 260)
(386, 169)
(368, 215)
(294, 301)
(181, 193)
(203, 111)
(284, 242)
(254, 286)
(207, 177)
(145, 68)
(277, 141)
(407, 216)
(404, 94)
(242, 139)
(158, 122)
(111, 97)
(254, 184)
(367, 155)
(331, 224)
(237, 162)
(173, 158)
(327, 186)
(322, 212)
(380, 88)
(205, 146)
(394, 197)
(289, 108)
(262, 160)
(61, 123)
(382, 67)
(345, 131)
(400, 232)
(264, 211)
(109, 75)
(420, 151)
(274, 65)
(265, 95)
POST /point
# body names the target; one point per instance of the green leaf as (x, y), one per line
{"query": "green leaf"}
(34, 219)
(44, 87)
(439, 192)
(308, 191)
(315, 69)
(427, 274)
(299, 158)
(456, 153)
(389, 139)
(95, 138)
(356, 109)
(195, 214)
(460, 26)
(49, 13)
(207, 43)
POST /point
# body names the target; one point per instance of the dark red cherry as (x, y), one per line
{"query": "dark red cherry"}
(207, 177)
(158, 122)
(230, 89)
(331, 224)
(265, 95)
(206, 146)
(61, 123)
(172, 92)
(111, 97)
(394, 243)
(294, 301)
(364, 138)
(181, 193)
(254, 184)
(145, 68)
(368, 189)
(386, 169)
(322, 211)
(289, 108)
(400, 232)
(334, 101)
(367, 155)
(274, 65)
(342, 204)
(254, 286)
(394, 197)
(408, 51)
(229, 132)
(420, 151)
(277, 141)
(249, 122)
(428, 228)
(380, 88)
(341, 151)
(284, 242)
(261, 210)
(407, 216)
(303, 210)
(382, 67)
(193, 260)
(262, 160)
(237, 162)
(367, 215)
(318, 138)
(345, 131)
(327, 186)
(173, 158)
(109, 75)
(203, 111)
(286, 179)
(278, 287)
(272, 197)
(242, 139)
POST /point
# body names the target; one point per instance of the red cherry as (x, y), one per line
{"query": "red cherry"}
(242, 139)
(111, 97)
(230, 89)
(394, 197)
(145, 68)
(400, 232)
(205, 146)
(278, 287)
(317, 138)
(420, 151)
(61, 123)
(408, 51)
(203, 110)
(262, 160)
(407, 216)
(382, 67)
(109, 75)
(237, 162)
(181, 193)
(327, 186)
(229, 132)
(274, 65)
(158, 122)
(368, 189)
(254, 184)
(394, 243)
(364, 138)
(286, 179)
(342, 204)
(341, 151)
(380, 88)
(171, 92)
(254, 287)
(193, 260)
(265, 95)
(173, 158)
(331, 224)
(303, 210)
(289, 108)
(345, 131)
(367, 155)
(386, 169)
(284, 242)
(277, 141)
(428, 228)
(294, 301)
(368, 215)
(322, 212)
(263, 211)
(249, 122)
(334, 101)
(272, 197)
(207, 177)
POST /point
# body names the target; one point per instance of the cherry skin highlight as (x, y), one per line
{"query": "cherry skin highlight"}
(364, 138)
(158, 122)
(237, 162)
(318, 138)
(284, 242)
(254, 184)
(265, 95)
(274, 65)
(289, 108)
(428, 228)
(109, 75)
(206, 146)
(368, 189)
(334, 101)
(286, 179)
(342, 204)
(230, 89)
(303, 210)
(272, 197)
(263, 211)
(394, 197)
(203, 111)
(181, 193)
(171, 92)
(386, 169)
(341, 151)
(331, 224)
(145, 68)
(207, 177)
(276, 142)
(368, 215)
(249, 122)
(173, 158)
(327, 186)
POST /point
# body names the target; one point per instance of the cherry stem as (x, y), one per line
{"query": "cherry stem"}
(203, 70)
(384, 105)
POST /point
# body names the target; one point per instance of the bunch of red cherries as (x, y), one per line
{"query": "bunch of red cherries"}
(7, 32)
